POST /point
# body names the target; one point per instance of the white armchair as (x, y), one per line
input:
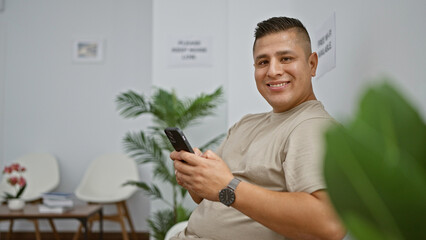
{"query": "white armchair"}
(103, 184)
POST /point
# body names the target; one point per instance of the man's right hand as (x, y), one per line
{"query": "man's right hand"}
(203, 175)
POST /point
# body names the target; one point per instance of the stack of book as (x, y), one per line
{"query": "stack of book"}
(56, 202)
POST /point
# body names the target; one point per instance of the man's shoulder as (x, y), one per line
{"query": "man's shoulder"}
(312, 110)
(313, 118)
(254, 116)
(310, 114)
(249, 120)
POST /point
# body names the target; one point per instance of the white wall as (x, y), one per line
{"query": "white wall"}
(373, 38)
(200, 18)
(2, 79)
(48, 103)
(52, 104)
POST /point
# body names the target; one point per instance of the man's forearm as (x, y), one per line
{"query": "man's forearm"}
(197, 199)
(295, 215)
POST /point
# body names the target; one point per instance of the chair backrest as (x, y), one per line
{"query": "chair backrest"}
(42, 175)
(104, 178)
(178, 227)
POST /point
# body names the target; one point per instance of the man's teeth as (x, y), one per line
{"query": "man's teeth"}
(278, 85)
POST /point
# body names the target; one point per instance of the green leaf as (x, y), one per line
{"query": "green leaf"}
(201, 106)
(152, 190)
(375, 167)
(162, 170)
(183, 192)
(8, 196)
(212, 143)
(364, 228)
(166, 108)
(182, 214)
(21, 190)
(131, 104)
(144, 149)
(161, 222)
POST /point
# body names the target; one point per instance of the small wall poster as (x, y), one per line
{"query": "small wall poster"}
(325, 45)
(189, 51)
(88, 50)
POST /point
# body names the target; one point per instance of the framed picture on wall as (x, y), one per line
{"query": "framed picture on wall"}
(88, 50)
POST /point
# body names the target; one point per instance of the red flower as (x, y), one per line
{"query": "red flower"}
(22, 182)
(15, 166)
(7, 170)
(13, 181)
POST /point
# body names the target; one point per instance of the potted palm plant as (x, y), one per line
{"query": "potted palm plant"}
(152, 146)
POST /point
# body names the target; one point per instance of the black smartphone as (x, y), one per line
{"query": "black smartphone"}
(178, 139)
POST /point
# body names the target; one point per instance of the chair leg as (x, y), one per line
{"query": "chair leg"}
(122, 214)
(121, 221)
(37, 230)
(129, 220)
(89, 227)
(9, 234)
(55, 233)
(77, 234)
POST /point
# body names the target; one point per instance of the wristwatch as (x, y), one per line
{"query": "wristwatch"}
(227, 195)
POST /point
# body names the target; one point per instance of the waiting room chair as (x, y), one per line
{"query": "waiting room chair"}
(42, 175)
(103, 184)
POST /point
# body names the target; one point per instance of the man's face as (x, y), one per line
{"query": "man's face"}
(283, 70)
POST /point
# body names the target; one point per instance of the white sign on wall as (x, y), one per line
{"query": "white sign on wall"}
(325, 46)
(189, 51)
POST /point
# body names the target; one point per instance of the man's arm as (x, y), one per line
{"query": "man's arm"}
(295, 215)
(197, 199)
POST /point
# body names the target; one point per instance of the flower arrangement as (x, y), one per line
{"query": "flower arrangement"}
(16, 180)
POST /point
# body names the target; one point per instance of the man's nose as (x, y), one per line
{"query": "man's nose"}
(275, 69)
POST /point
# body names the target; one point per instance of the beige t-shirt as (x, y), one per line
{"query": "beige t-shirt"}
(277, 151)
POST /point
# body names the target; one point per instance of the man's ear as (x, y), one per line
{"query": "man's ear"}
(313, 63)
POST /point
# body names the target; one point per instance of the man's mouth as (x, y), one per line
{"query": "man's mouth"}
(277, 84)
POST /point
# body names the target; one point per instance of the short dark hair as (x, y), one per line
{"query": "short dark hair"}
(279, 24)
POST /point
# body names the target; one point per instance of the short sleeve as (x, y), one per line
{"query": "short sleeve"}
(304, 152)
(219, 150)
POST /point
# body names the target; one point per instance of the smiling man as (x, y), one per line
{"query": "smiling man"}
(284, 66)
(265, 180)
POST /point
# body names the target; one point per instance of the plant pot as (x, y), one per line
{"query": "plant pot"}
(15, 204)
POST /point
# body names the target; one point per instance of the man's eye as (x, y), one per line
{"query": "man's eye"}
(261, 63)
(286, 59)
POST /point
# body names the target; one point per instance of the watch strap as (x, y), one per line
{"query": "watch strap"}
(234, 183)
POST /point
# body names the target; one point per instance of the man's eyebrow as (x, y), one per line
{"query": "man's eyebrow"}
(278, 53)
(261, 56)
(284, 52)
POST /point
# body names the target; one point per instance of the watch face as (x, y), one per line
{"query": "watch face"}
(227, 196)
